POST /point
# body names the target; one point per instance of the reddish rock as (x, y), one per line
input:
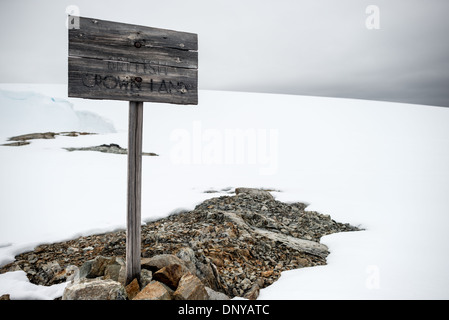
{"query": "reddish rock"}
(190, 287)
(132, 289)
(159, 261)
(170, 275)
(154, 291)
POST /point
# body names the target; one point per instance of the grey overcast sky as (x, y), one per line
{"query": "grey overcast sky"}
(304, 47)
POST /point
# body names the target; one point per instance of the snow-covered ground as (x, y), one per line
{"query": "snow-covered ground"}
(383, 166)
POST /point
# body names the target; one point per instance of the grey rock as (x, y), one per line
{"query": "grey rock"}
(101, 266)
(116, 270)
(51, 268)
(187, 255)
(145, 277)
(262, 194)
(94, 289)
(159, 261)
(215, 295)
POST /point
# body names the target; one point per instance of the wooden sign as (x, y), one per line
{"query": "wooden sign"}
(118, 61)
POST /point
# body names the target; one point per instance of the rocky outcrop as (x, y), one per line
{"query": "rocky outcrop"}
(24, 139)
(108, 148)
(235, 245)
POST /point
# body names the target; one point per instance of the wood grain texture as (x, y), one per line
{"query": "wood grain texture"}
(133, 231)
(117, 61)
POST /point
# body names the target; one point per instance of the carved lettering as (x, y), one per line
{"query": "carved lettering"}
(163, 87)
(88, 80)
(134, 84)
(110, 82)
(152, 67)
(123, 83)
(149, 69)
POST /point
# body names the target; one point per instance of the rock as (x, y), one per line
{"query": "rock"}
(47, 271)
(262, 194)
(145, 277)
(69, 273)
(208, 274)
(132, 289)
(154, 291)
(116, 270)
(71, 250)
(51, 268)
(159, 261)
(101, 266)
(253, 293)
(215, 295)
(205, 270)
(170, 275)
(187, 255)
(30, 136)
(190, 287)
(5, 297)
(266, 273)
(94, 289)
(109, 148)
(16, 144)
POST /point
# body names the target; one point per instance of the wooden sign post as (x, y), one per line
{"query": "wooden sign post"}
(117, 61)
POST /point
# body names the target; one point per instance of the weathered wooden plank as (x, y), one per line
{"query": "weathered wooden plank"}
(117, 61)
(101, 79)
(135, 69)
(133, 231)
(122, 34)
(153, 55)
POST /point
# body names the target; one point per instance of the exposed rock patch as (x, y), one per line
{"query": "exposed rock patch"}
(234, 245)
(108, 148)
(23, 139)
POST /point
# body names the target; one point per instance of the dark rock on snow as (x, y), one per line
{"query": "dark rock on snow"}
(227, 246)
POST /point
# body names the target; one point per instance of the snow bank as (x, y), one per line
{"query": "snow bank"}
(16, 284)
(28, 112)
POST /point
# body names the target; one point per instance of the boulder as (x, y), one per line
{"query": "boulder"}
(262, 194)
(110, 268)
(94, 289)
(94, 268)
(48, 272)
(145, 277)
(69, 273)
(215, 295)
(205, 270)
(170, 275)
(132, 289)
(159, 261)
(190, 287)
(253, 293)
(116, 270)
(154, 291)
